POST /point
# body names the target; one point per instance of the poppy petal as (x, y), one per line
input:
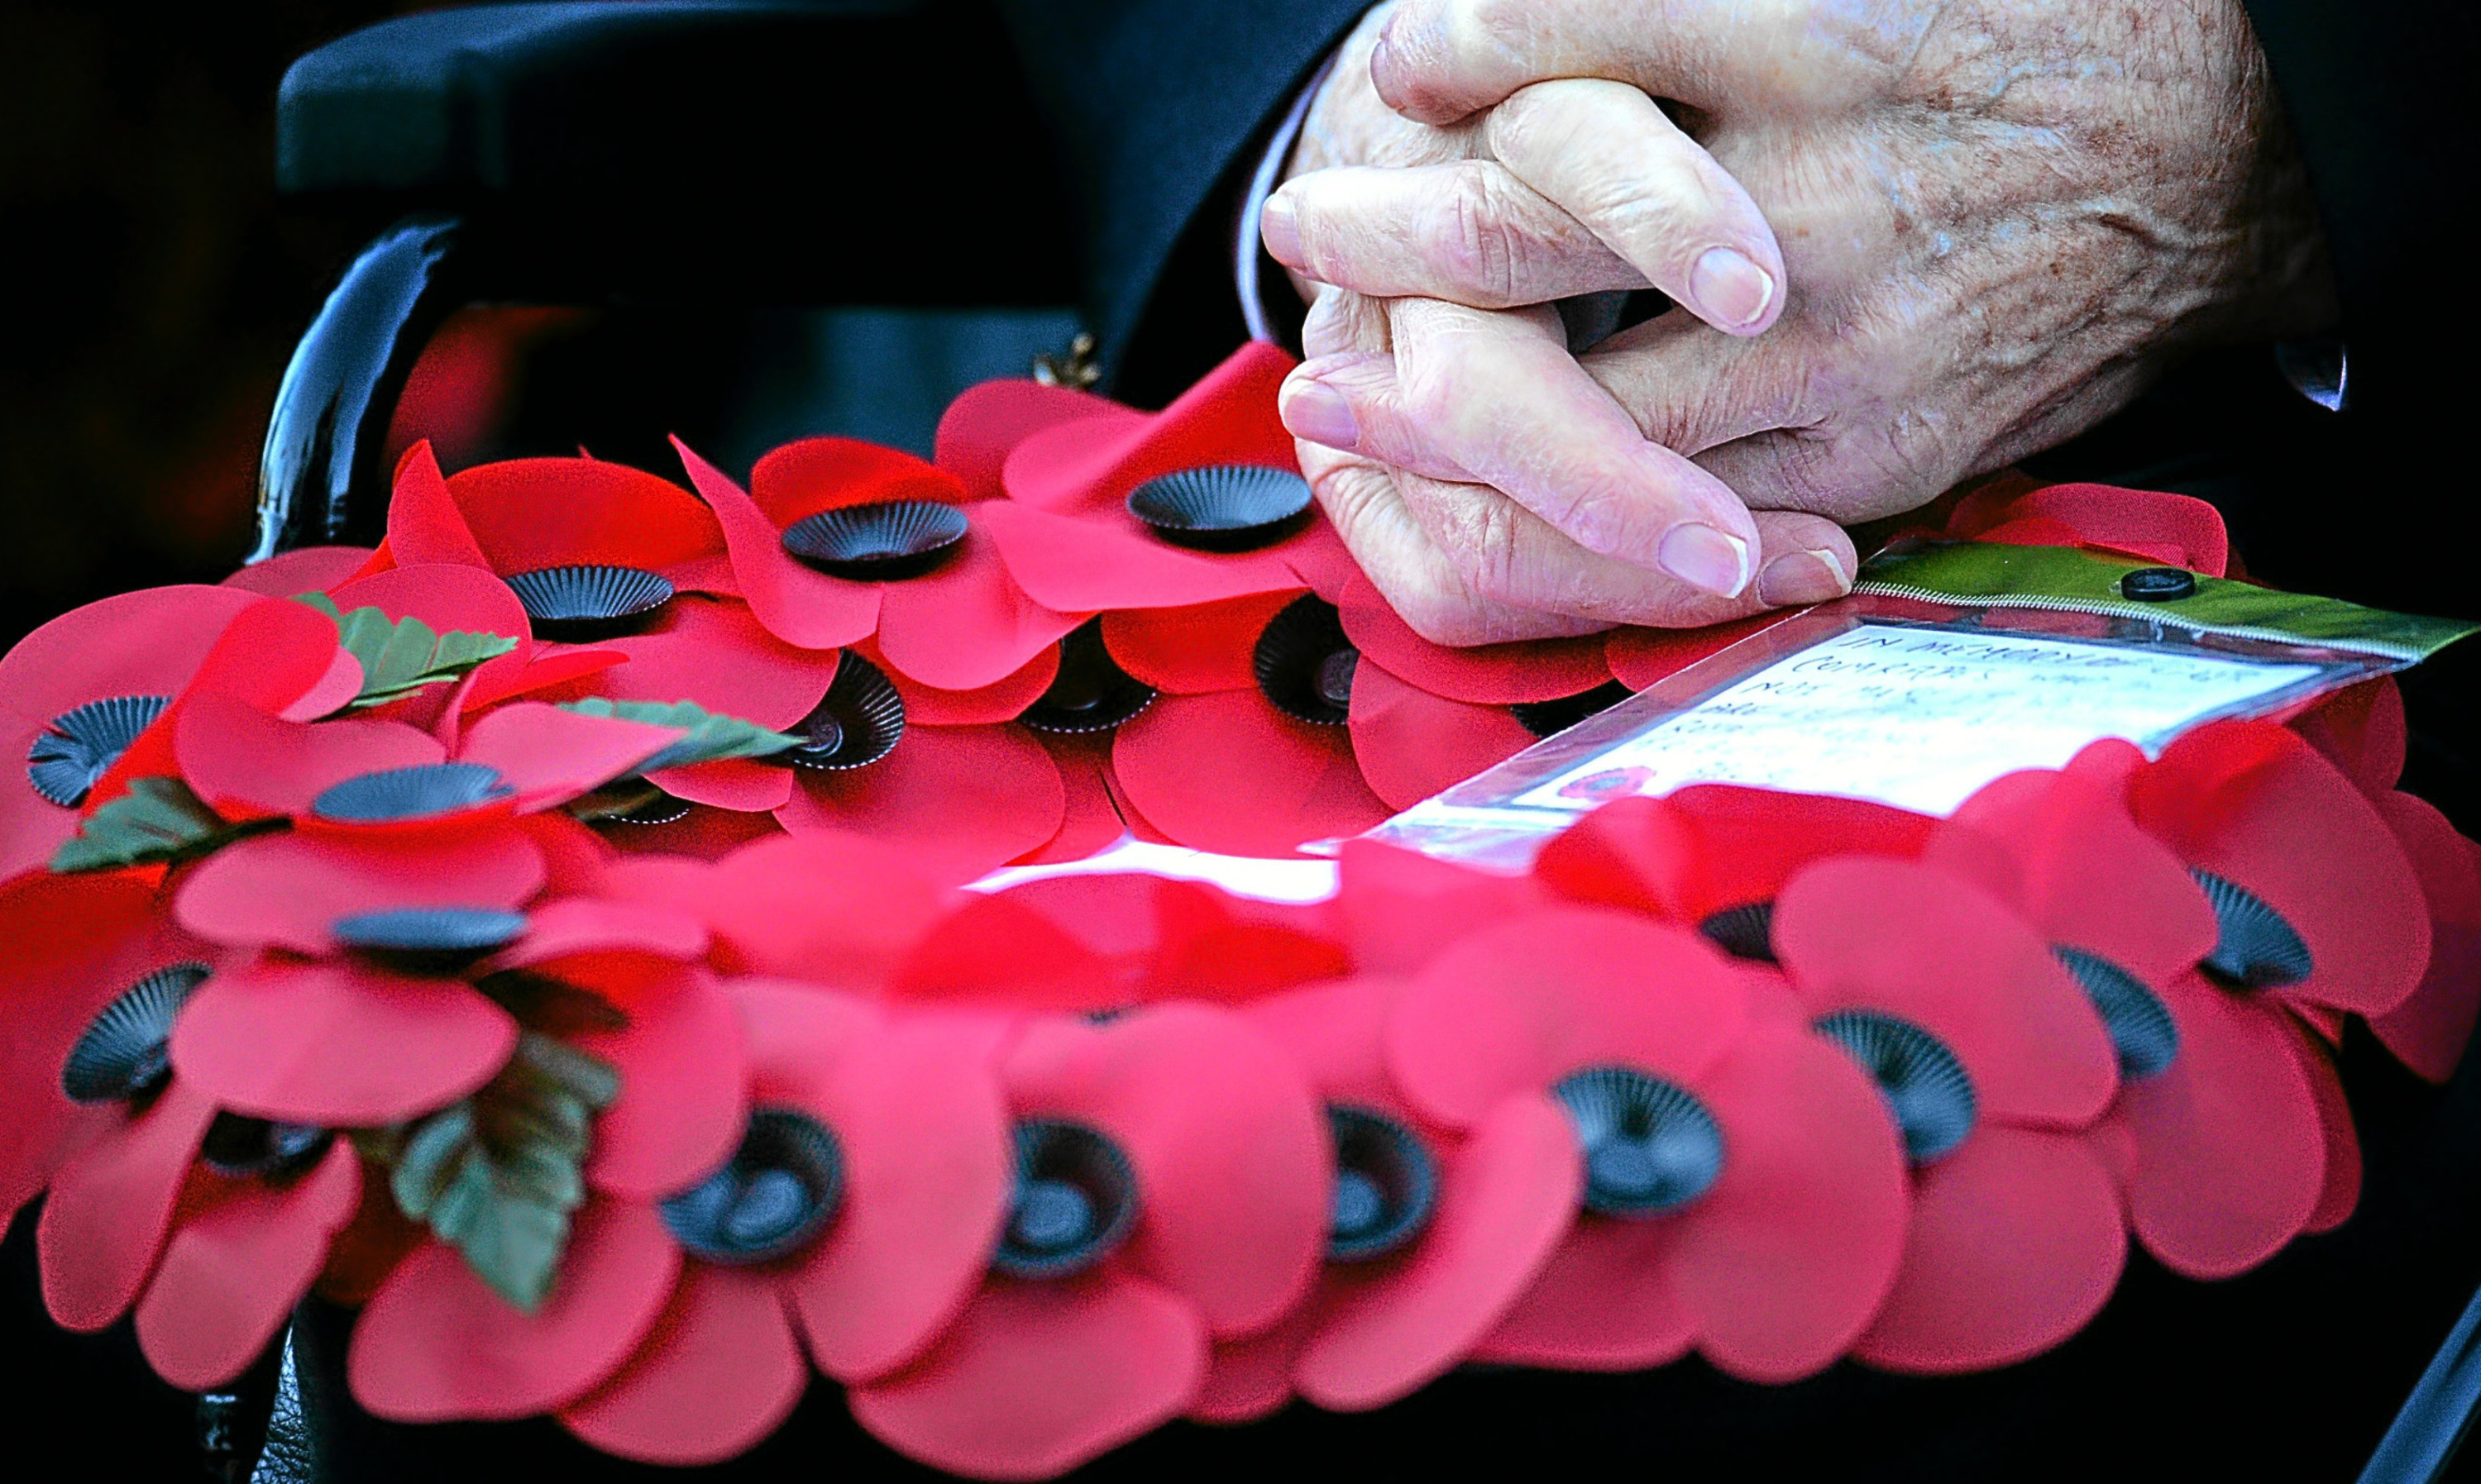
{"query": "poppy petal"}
(1227, 417)
(424, 523)
(1231, 1150)
(682, 1076)
(715, 653)
(1913, 941)
(246, 763)
(1194, 649)
(2341, 1191)
(987, 422)
(2255, 804)
(289, 889)
(796, 604)
(701, 835)
(1709, 847)
(1638, 658)
(446, 597)
(106, 1217)
(1788, 1256)
(1036, 1378)
(69, 947)
(1515, 1007)
(1092, 823)
(2362, 730)
(719, 1373)
(1003, 700)
(830, 908)
(549, 755)
(435, 1344)
(303, 570)
(2228, 1154)
(1231, 775)
(1250, 1378)
(1607, 1300)
(2016, 1243)
(2430, 1031)
(1506, 1197)
(967, 624)
(231, 1275)
(1489, 676)
(916, 1109)
(529, 513)
(960, 802)
(742, 785)
(1087, 565)
(1389, 902)
(1411, 743)
(606, 946)
(2180, 528)
(336, 1045)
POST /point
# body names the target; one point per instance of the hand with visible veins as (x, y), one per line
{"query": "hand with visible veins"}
(1997, 222)
(1556, 515)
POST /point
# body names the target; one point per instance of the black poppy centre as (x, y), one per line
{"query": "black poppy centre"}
(1305, 665)
(242, 1148)
(577, 604)
(2141, 1029)
(2256, 946)
(1927, 1087)
(124, 1053)
(1091, 692)
(1746, 932)
(1650, 1145)
(392, 794)
(428, 940)
(1548, 719)
(1386, 1185)
(886, 540)
(81, 744)
(778, 1192)
(858, 721)
(1223, 507)
(1075, 1201)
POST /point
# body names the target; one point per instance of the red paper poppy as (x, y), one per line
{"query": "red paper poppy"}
(602, 553)
(2177, 529)
(1991, 1061)
(83, 693)
(1435, 1236)
(2362, 730)
(1743, 1194)
(1172, 1175)
(1213, 762)
(947, 614)
(1389, 902)
(1715, 856)
(212, 1226)
(2318, 907)
(1070, 536)
(2215, 1137)
(857, 1211)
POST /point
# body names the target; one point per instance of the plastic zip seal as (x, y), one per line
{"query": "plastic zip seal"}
(1950, 666)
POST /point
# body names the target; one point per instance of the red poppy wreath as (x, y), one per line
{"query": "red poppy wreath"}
(545, 935)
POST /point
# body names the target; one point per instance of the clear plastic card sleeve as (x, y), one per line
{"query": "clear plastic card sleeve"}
(1948, 667)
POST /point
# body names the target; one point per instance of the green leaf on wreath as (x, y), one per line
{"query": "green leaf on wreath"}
(401, 656)
(713, 737)
(497, 1175)
(159, 820)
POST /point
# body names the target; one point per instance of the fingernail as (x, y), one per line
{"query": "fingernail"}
(1802, 577)
(1732, 290)
(1703, 557)
(1281, 230)
(1318, 412)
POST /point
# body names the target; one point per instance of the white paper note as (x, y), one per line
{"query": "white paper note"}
(1918, 718)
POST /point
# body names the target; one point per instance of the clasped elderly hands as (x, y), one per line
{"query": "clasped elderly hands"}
(1908, 241)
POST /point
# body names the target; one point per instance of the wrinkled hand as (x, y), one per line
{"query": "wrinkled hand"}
(1997, 222)
(1530, 504)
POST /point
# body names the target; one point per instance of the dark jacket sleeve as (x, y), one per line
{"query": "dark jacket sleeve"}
(2380, 95)
(1156, 105)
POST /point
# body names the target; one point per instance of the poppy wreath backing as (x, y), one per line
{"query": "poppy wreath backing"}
(543, 934)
